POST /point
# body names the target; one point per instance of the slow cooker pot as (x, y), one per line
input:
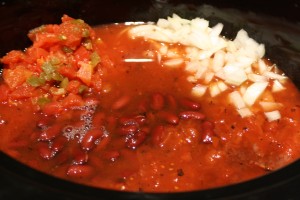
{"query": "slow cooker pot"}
(276, 24)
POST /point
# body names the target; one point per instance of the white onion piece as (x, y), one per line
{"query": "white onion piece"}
(214, 90)
(236, 99)
(199, 90)
(270, 106)
(257, 78)
(273, 75)
(273, 115)
(244, 112)
(173, 62)
(253, 92)
(277, 86)
(234, 75)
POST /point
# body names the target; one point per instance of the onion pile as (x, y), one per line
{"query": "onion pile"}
(217, 64)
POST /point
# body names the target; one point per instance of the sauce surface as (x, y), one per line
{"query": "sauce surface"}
(131, 125)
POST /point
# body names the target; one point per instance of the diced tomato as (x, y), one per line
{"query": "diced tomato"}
(34, 53)
(22, 92)
(13, 57)
(53, 108)
(73, 86)
(46, 40)
(85, 73)
(82, 54)
(4, 90)
(97, 82)
(68, 71)
(72, 100)
(15, 77)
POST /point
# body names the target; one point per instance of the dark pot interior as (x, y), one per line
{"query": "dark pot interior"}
(276, 24)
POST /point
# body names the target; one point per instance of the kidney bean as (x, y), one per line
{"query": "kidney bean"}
(189, 104)
(133, 141)
(143, 106)
(44, 122)
(137, 119)
(191, 115)
(157, 101)
(89, 139)
(128, 129)
(59, 143)
(121, 102)
(45, 151)
(80, 157)
(208, 132)
(168, 117)
(80, 171)
(112, 155)
(159, 136)
(50, 133)
(171, 102)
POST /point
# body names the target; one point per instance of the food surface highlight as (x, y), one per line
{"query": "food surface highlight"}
(155, 107)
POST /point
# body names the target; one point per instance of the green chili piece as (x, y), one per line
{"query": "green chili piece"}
(95, 59)
(64, 83)
(57, 76)
(54, 61)
(43, 101)
(82, 88)
(35, 81)
(48, 68)
(67, 49)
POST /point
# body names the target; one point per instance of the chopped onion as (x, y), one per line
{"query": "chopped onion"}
(253, 92)
(214, 90)
(245, 112)
(270, 106)
(199, 90)
(236, 99)
(273, 115)
(234, 75)
(175, 62)
(277, 86)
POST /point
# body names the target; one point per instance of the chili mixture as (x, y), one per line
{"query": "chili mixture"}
(82, 104)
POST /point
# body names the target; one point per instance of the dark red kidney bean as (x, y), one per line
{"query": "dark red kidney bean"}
(44, 122)
(121, 102)
(128, 129)
(143, 106)
(112, 155)
(189, 104)
(45, 151)
(59, 143)
(191, 115)
(171, 102)
(50, 133)
(89, 139)
(168, 117)
(157, 101)
(159, 136)
(130, 120)
(79, 157)
(80, 171)
(133, 141)
(208, 132)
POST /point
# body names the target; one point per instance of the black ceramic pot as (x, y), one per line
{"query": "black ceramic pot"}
(276, 24)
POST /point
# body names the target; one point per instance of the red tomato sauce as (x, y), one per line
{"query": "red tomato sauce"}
(73, 108)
